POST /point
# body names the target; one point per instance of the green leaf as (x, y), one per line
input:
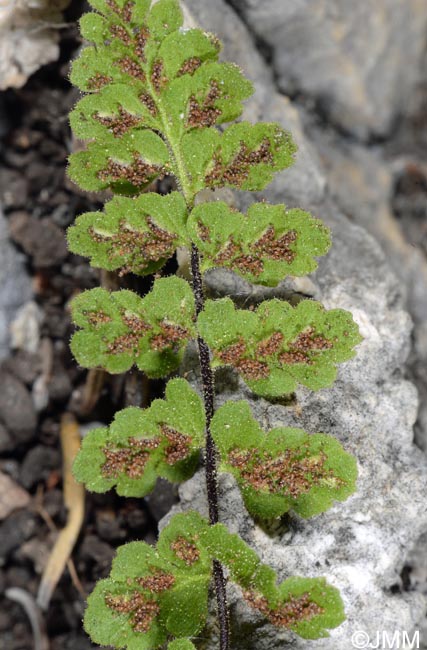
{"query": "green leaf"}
(187, 607)
(193, 90)
(277, 347)
(190, 556)
(264, 581)
(165, 17)
(97, 68)
(245, 156)
(120, 329)
(284, 469)
(139, 11)
(141, 445)
(307, 606)
(126, 165)
(212, 95)
(146, 72)
(181, 644)
(154, 592)
(127, 13)
(94, 28)
(264, 246)
(234, 553)
(182, 546)
(135, 235)
(148, 596)
(184, 52)
(115, 110)
(198, 148)
(106, 625)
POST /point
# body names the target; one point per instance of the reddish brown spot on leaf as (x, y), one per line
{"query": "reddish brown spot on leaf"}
(131, 67)
(138, 173)
(203, 232)
(289, 472)
(96, 318)
(149, 102)
(125, 344)
(117, 31)
(294, 356)
(189, 66)
(119, 124)
(232, 353)
(237, 171)
(249, 368)
(232, 256)
(307, 342)
(227, 254)
(142, 609)
(252, 369)
(271, 345)
(295, 610)
(185, 550)
(136, 324)
(157, 582)
(204, 114)
(170, 335)
(114, 7)
(126, 13)
(98, 81)
(276, 249)
(158, 79)
(179, 445)
(249, 264)
(130, 460)
(141, 247)
(141, 39)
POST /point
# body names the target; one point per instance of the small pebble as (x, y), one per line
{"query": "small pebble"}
(12, 496)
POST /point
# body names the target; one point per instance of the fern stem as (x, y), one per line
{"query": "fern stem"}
(211, 454)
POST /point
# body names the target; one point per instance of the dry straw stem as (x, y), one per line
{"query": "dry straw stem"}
(74, 498)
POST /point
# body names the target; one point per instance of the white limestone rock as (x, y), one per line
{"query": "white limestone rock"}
(28, 38)
(359, 61)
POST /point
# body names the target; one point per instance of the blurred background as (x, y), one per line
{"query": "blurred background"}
(349, 79)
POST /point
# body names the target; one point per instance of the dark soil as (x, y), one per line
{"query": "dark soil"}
(40, 202)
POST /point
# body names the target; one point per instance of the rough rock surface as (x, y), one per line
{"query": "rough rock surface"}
(28, 38)
(360, 180)
(15, 285)
(359, 61)
(16, 407)
(360, 545)
(12, 496)
(42, 240)
(417, 560)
